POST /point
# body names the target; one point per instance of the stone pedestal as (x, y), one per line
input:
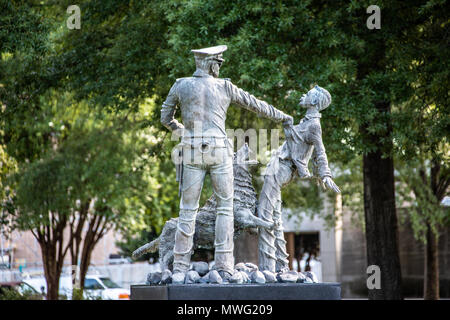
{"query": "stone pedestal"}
(268, 291)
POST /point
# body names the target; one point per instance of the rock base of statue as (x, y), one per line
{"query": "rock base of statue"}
(267, 291)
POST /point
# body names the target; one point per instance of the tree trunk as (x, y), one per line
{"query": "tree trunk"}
(431, 268)
(431, 281)
(380, 215)
(51, 242)
(76, 231)
(50, 271)
(97, 228)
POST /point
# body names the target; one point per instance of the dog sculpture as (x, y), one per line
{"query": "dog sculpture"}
(244, 209)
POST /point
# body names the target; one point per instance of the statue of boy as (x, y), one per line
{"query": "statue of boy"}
(291, 160)
(204, 100)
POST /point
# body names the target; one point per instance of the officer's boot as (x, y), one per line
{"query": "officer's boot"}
(184, 240)
(224, 259)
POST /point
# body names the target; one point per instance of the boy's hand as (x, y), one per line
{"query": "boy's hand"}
(329, 183)
(288, 121)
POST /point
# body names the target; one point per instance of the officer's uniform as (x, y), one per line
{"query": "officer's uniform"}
(204, 99)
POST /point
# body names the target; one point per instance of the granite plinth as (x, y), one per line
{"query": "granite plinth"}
(267, 291)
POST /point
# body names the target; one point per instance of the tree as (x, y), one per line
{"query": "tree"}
(423, 186)
(23, 44)
(87, 183)
(67, 177)
(422, 126)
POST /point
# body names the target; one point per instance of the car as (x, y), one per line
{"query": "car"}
(37, 283)
(95, 287)
(99, 286)
(17, 290)
(118, 259)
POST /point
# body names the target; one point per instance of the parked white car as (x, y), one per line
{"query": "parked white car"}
(118, 259)
(95, 287)
(103, 287)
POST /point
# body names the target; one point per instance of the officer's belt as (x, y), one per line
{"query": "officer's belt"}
(212, 142)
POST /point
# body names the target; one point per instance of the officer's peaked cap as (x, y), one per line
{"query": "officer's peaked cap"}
(211, 51)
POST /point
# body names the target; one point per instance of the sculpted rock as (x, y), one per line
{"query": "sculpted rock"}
(301, 278)
(204, 279)
(178, 278)
(237, 277)
(288, 277)
(201, 267)
(305, 277)
(191, 277)
(166, 277)
(225, 276)
(257, 277)
(154, 278)
(245, 277)
(240, 266)
(312, 276)
(270, 277)
(251, 266)
(214, 277)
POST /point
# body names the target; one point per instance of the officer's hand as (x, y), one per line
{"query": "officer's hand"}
(329, 183)
(288, 121)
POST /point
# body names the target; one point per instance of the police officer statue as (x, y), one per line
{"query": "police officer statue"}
(204, 100)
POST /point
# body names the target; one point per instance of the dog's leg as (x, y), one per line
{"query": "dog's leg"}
(167, 260)
(248, 220)
(262, 223)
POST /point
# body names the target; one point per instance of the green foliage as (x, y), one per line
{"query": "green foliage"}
(107, 158)
(422, 200)
(132, 241)
(7, 166)
(421, 123)
(13, 294)
(23, 27)
(114, 61)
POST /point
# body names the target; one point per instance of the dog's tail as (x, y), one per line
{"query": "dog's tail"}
(149, 247)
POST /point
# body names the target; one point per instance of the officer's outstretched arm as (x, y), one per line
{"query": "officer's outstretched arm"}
(168, 110)
(249, 102)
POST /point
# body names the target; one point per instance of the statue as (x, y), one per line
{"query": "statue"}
(204, 100)
(291, 160)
